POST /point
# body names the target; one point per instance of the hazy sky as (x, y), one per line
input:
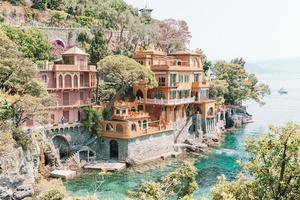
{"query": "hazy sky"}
(253, 29)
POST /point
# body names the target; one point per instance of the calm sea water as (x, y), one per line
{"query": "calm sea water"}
(279, 109)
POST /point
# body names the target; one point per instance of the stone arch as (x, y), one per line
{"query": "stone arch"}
(109, 127)
(59, 42)
(75, 80)
(60, 81)
(62, 145)
(139, 94)
(68, 81)
(113, 149)
(119, 128)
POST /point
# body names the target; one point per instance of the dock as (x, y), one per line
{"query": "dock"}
(105, 166)
(63, 174)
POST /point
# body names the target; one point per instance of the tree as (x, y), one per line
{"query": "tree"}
(207, 64)
(273, 165)
(241, 85)
(179, 184)
(124, 72)
(24, 97)
(91, 120)
(217, 90)
(174, 35)
(98, 49)
(31, 42)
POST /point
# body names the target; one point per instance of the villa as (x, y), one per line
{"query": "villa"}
(179, 108)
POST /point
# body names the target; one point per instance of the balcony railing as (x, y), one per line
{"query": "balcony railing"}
(171, 101)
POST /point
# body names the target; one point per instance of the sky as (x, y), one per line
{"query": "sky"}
(224, 29)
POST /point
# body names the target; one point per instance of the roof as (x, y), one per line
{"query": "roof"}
(74, 51)
(184, 53)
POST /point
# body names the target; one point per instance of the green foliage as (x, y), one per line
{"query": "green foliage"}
(273, 165)
(51, 4)
(124, 72)
(85, 21)
(52, 195)
(58, 17)
(31, 42)
(91, 120)
(98, 49)
(179, 184)
(217, 91)
(105, 114)
(241, 85)
(23, 139)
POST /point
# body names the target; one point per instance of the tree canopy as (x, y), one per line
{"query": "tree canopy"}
(179, 184)
(31, 42)
(124, 72)
(273, 167)
(240, 84)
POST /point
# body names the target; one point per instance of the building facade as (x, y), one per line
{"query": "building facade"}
(71, 82)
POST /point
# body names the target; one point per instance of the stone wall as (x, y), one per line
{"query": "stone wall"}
(140, 149)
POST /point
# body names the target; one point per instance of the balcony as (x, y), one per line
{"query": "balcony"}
(66, 67)
(197, 85)
(169, 102)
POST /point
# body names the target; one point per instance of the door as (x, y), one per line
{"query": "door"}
(66, 115)
(114, 149)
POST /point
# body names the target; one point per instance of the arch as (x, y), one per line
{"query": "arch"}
(45, 78)
(198, 110)
(113, 149)
(140, 108)
(119, 128)
(60, 81)
(133, 127)
(68, 81)
(109, 127)
(62, 145)
(139, 94)
(145, 124)
(58, 42)
(210, 111)
(140, 123)
(75, 80)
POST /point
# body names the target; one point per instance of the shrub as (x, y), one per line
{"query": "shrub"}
(52, 195)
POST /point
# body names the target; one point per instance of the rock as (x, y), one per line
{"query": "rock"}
(23, 191)
(5, 193)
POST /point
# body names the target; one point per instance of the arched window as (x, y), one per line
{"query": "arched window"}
(68, 81)
(75, 81)
(132, 109)
(109, 127)
(119, 128)
(210, 111)
(60, 81)
(45, 78)
(145, 124)
(140, 124)
(139, 94)
(133, 127)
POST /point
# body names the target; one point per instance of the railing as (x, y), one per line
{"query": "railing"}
(171, 101)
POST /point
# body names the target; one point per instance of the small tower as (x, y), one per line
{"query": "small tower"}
(146, 12)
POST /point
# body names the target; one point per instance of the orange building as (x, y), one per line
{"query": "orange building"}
(182, 89)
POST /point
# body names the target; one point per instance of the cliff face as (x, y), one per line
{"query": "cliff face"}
(18, 172)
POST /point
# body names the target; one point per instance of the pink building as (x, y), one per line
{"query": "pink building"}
(72, 81)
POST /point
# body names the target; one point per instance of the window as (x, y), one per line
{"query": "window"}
(179, 63)
(204, 93)
(81, 96)
(45, 78)
(133, 127)
(161, 81)
(164, 109)
(196, 78)
(173, 79)
(141, 62)
(145, 124)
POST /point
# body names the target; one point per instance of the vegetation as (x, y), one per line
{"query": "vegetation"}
(179, 184)
(273, 165)
(240, 84)
(52, 195)
(124, 72)
(91, 118)
(22, 96)
(31, 42)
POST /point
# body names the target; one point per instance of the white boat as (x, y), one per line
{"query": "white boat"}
(283, 91)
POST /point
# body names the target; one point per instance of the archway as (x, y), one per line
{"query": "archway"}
(68, 81)
(75, 81)
(62, 145)
(109, 127)
(210, 111)
(113, 149)
(60, 81)
(139, 94)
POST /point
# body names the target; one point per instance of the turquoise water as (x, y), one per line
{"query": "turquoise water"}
(278, 110)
